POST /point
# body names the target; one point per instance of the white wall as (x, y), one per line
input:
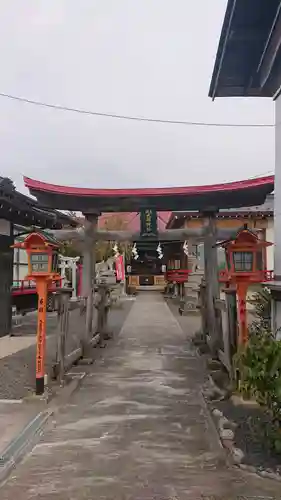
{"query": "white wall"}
(20, 257)
(20, 261)
(269, 236)
(20, 264)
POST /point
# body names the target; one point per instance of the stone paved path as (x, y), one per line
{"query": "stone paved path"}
(138, 427)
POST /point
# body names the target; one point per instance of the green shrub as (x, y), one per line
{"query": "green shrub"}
(258, 368)
(262, 303)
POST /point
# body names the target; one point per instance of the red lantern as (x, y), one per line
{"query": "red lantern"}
(42, 253)
(245, 258)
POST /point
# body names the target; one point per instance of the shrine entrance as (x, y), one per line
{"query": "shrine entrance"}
(207, 200)
(148, 269)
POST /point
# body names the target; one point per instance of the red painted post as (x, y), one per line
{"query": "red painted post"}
(42, 290)
(242, 312)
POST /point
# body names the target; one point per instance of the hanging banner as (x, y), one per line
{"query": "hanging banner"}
(120, 271)
(148, 219)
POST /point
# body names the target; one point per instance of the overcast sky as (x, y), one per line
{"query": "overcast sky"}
(149, 58)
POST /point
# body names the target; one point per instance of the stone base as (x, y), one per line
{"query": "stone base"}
(86, 361)
(189, 312)
(189, 306)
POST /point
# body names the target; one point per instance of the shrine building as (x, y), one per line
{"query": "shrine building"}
(259, 218)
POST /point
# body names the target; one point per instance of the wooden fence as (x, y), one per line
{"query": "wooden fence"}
(226, 325)
(71, 326)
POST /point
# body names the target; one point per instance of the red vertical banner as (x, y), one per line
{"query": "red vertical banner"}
(120, 271)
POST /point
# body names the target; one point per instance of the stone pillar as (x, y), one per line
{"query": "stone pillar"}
(73, 263)
(74, 279)
(89, 271)
(123, 283)
(231, 309)
(203, 309)
(69, 263)
(63, 266)
(211, 277)
(194, 280)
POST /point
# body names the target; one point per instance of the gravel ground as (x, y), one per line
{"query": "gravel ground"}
(252, 422)
(250, 435)
(18, 370)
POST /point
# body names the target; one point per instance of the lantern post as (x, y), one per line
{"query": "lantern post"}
(42, 254)
(244, 266)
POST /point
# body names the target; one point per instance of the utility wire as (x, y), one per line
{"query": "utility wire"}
(133, 118)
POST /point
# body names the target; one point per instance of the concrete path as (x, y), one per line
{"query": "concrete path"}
(138, 428)
(14, 416)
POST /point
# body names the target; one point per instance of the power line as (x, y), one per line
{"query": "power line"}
(133, 118)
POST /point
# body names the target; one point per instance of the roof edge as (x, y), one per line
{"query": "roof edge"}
(44, 187)
(225, 30)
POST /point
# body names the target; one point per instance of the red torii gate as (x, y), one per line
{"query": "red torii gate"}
(208, 199)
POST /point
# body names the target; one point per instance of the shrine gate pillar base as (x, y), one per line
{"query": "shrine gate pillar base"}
(211, 279)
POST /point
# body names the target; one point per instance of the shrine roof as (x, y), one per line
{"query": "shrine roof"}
(208, 197)
(265, 210)
(25, 211)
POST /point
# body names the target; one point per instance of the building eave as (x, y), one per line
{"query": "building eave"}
(20, 209)
(265, 211)
(222, 47)
(247, 57)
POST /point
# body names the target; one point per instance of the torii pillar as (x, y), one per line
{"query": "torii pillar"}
(89, 271)
(211, 276)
